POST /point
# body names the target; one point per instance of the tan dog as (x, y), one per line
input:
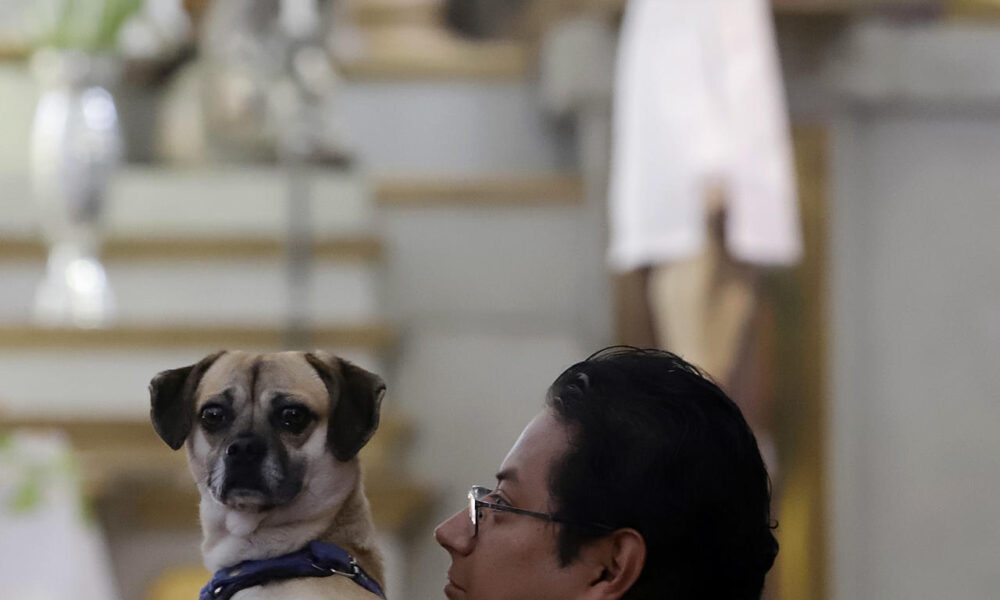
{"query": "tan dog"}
(272, 443)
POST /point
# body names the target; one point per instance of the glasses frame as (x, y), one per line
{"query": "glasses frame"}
(480, 491)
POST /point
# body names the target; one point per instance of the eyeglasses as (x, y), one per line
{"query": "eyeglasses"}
(476, 502)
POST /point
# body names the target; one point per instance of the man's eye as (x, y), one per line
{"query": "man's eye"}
(214, 417)
(499, 500)
(294, 419)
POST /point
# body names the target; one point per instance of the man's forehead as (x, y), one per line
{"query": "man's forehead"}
(509, 474)
(543, 440)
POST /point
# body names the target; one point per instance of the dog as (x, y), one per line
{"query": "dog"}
(272, 443)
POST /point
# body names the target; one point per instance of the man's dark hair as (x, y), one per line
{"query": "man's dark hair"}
(656, 446)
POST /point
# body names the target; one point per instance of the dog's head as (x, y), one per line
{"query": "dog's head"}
(257, 425)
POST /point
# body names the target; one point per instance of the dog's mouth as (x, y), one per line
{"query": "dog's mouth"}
(245, 491)
(253, 494)
(247, 499)
(241, 492)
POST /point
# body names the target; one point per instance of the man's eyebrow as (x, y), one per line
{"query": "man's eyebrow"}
(507, 475)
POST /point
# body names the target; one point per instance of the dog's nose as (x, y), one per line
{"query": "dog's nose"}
(246, 448)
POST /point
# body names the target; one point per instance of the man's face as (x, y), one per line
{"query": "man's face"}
(514, 556)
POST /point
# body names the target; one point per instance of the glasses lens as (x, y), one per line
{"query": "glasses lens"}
(472, 510)
(476, 494)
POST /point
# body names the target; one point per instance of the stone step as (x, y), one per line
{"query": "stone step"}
(241, 211)
(485, 262)
(138, 229)
(481, 249)
(408, 39)
(557, 189)
(174, 256)
(453, 127)
(421, 52)
(205, 291)
(218, 201)
(346, 248)
(394, 126)
(189, 280)
(375, 337)
(371, 14)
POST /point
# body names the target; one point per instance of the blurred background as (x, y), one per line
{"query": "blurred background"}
(468, 196)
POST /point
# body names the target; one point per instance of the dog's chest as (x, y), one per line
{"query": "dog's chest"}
(313, 588)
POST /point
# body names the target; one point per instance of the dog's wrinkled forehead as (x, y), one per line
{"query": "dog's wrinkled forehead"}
(245, 377)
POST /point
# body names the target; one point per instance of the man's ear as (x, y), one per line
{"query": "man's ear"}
(355, 400)
(172, 396)
(617, 561)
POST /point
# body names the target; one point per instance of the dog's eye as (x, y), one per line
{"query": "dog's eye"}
(214, 417)
(294, 418)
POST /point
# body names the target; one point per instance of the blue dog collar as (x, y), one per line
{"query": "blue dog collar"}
(318, 559)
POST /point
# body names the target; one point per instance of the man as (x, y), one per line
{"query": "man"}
(640, 479)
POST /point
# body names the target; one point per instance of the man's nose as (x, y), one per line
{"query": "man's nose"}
(455, 534)
(247, 448)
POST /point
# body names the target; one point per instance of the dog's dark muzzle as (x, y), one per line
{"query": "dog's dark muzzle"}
(244, 459)
(246, 449)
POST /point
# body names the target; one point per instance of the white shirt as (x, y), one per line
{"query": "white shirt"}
(699, 100)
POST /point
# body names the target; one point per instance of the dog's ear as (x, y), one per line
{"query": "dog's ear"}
(171, 394)
(356, 397)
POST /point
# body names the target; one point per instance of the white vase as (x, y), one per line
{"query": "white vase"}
(76, 144)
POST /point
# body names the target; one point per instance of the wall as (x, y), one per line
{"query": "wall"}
(916, 315)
